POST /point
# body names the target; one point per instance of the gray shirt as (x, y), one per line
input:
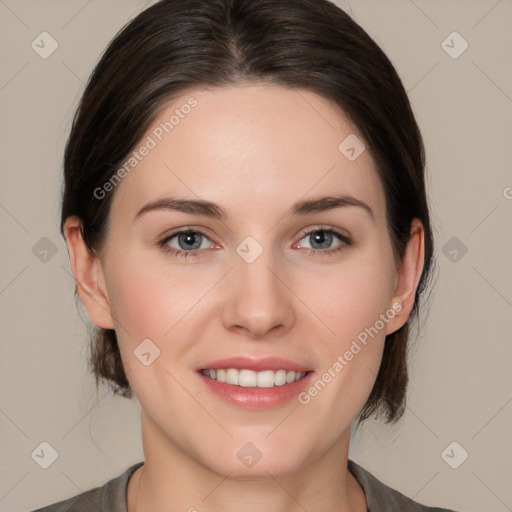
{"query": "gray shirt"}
(111, 497)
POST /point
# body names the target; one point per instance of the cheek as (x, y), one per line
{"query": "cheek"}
(163, 303)
(351, 299)
(353, 308)
(149, 297)
(153, 301)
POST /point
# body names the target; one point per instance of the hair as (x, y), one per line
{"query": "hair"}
(177, 45)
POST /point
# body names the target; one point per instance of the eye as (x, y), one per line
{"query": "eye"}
(186, 243)
(193, 243)
(324, 241)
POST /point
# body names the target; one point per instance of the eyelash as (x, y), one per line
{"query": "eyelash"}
(346, 241)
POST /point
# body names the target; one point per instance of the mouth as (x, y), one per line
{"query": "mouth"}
(255, 384)
(251, 379)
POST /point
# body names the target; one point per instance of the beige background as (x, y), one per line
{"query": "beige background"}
(461, 380)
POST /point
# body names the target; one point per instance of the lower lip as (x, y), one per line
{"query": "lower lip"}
(257, 398)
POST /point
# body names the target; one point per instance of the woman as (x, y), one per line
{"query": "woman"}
(247, 223)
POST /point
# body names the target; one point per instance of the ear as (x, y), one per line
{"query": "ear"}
(88, 273)
(408, 276)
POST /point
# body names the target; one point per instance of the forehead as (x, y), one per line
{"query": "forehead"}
(251, 147)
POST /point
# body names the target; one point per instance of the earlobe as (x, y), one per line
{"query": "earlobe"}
(89, 277)
(408, 276)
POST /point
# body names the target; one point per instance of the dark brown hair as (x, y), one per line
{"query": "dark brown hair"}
(177, 45)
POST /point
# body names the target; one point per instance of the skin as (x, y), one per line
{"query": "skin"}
(255, 150)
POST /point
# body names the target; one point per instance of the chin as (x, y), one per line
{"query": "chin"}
(259, 471)
(243, 459)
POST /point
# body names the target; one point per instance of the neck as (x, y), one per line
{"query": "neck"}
(172, 480)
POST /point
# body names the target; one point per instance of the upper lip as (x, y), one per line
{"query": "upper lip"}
(256, 365)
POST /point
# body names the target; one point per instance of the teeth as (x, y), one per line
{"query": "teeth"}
(265, 379)
(280, 377)
(247, 379)
(250, 379)
(232, 377)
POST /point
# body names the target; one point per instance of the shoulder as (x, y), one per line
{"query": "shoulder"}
(109, 497)
(381, 498)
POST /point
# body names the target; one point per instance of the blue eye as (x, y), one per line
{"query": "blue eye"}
(189, 243)
(320, 241)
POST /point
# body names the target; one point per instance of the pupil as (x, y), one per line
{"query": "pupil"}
(322, 238)
(186, 241)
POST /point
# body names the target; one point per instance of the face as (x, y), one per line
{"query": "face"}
(229, 249)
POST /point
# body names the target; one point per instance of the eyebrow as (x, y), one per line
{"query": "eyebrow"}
(209, 209)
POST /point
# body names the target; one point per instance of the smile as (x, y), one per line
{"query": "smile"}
(251, 379)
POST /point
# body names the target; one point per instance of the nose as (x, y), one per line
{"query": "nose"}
(258, 300)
